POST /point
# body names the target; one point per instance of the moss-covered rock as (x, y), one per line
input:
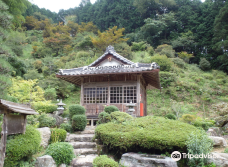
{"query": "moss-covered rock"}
(146, 132)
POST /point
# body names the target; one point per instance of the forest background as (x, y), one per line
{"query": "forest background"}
(36, 43)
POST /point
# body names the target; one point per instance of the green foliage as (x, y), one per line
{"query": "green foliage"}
(203, 123)
(79, 122)
(165, 50)
(76, 109)
(46, 121)
(162, 60)
(140, 46)
(22, 146)
(170, 116)
(58, 135)
(44, 107)
(66, 126)
(188, 118)
(104, 161)
(198, 143)
(120, 117)
(32, 74)
(50, 94)
(83, 54)
(166, 78)
(179, 62)
(110, 109)
(103, 117)
(226, 150)
(185, 56)
(124, 50)
(61, 152)
(152, 132)
(32, 120)
(204, 64)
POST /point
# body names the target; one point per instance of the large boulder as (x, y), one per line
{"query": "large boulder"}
(59, 119)
(45, 136)
(143, 160)
(214, 131)
(46, 161)
(220, 159)
(218, 141)
(221, 121)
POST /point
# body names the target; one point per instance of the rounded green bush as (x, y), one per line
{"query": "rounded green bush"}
(104, 161)
(179, 62)
(103, 117)
(79, 122)
(152, 132)
(61, 152)
(58, 135)
(120, 116)
(170, 116)
(162, 60)
(66, 126)
(22, 146)
(204, 64)
(46, 121)
(76, 110)
(109, 109)
(46, 107)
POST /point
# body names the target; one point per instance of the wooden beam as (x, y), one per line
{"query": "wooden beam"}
(3, 141)
(138, 96)
(82, 92)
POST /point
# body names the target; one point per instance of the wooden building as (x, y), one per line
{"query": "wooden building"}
(113, 80)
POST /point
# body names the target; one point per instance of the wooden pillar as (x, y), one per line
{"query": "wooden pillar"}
(108, 102)
(3, 141)
(82, 92)
(138, 96)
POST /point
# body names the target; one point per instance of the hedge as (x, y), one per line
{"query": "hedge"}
(146, 132)
(104, 161)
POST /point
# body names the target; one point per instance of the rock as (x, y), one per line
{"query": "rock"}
(46, 161)
(63, 165)
(218, 141)
(45, 136)
(225, 128)
(59, 120)
(221, 121)
(60, 112)
(140, 160)
(220, 159)
(214, 131)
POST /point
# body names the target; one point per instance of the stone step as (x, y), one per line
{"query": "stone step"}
(83, 161)
(83, 145)
(85, 151)
(81, 137)
(86, 132)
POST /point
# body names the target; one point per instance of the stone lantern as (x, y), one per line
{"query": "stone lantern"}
(131, 108)
(60, 108)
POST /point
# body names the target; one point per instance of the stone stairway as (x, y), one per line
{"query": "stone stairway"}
(84, 148)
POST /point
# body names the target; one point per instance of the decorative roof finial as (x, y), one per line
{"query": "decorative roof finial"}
(110, 48)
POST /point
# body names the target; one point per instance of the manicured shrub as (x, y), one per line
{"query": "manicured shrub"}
(162, 60)
(120, 116)
(152, 132)
(61, 152)
(204, 64)
(109, 109)
(179, 62)
(104, 161)
(46, 121)
(170, 116)
(188, 118)
(66, 126)
(21, 146)
(103, 118)
(198, 143)
(76, 110)
(79, 122)
(203, 123)
(44, 106)
(58, 135)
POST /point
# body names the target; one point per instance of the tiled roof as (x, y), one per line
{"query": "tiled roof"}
(17, 108)
(110, 50)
